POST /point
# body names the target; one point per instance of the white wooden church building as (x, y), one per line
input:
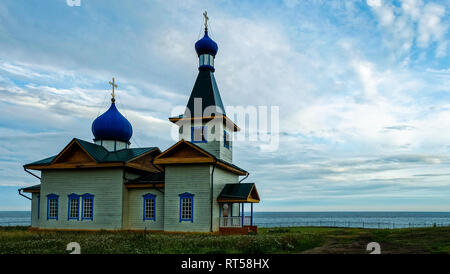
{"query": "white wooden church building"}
(193, 186)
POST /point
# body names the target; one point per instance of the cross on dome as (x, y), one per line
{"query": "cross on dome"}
(205, 14)
(112, 125)
(113, 99)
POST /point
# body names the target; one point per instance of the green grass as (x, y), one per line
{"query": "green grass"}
(267, 241)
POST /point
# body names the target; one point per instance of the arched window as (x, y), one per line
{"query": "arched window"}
(226, 139)
(87, 207)
(149, 212)
(73, 207)
(186, 207)
(52, 206)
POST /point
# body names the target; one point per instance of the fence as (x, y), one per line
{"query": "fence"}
(386, 225)
(15, 223)
(235, 221)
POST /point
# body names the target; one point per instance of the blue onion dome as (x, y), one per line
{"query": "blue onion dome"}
(112, 125)
(206, 46)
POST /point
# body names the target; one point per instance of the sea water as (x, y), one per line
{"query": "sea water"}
(285, 219)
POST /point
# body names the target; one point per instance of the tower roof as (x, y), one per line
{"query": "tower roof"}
(206, 45)
(112, 125)
(205, 88)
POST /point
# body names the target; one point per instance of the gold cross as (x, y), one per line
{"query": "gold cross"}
(205, 14)
(113, 99)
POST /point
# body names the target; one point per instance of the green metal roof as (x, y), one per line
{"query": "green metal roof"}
(125, 155)
(101, 154)
(236, 191)
(35, 187)
(149, 178)
(45, 161)
(205, 87)
(96, 151)
(232, 165)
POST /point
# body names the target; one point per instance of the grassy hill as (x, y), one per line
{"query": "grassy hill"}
(279, 240)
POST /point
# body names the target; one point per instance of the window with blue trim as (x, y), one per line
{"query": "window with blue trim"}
(198, 134)
(186, 207)
(226, 139)
(87, 207)
(52, 206)
(73, 207)
(149, 212)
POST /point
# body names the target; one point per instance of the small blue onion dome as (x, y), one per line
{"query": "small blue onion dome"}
(206, 46)
(112, 125)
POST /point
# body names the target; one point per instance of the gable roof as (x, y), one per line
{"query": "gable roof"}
(45, 161)
(197, 156)
(98, 153)
(102, 155)
(239, 193)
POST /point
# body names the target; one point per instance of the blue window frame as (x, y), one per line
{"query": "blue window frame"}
(73, 208)
(39, 205)
(87, 207)
(186, 207)
(52, 206)
(199, 134)
(149, 207)
(226, 139)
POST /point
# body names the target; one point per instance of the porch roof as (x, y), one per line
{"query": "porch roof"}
(239, 193)
(32, 189)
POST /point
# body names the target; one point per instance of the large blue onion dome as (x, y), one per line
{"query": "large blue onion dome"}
(206, 46)
(112, 125)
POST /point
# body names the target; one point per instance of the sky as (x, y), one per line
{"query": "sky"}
(362, 87)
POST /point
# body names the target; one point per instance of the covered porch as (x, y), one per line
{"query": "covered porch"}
(232, 204)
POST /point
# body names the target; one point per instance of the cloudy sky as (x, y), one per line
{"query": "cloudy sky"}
(363, 90)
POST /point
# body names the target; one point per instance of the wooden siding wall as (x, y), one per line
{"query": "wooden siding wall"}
(116, 207)
(105, 184)
(136, 210)
(225, 154)
(194, 179)
(212, 147)
(125, 200)
(215, 147)
(221, 177)
(34, 210)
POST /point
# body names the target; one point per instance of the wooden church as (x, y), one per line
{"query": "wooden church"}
(193, 186)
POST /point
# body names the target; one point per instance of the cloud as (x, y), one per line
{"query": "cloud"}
(414, 23)
(364, 103)
(430, 27)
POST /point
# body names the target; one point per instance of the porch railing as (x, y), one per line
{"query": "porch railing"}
(234, 221)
